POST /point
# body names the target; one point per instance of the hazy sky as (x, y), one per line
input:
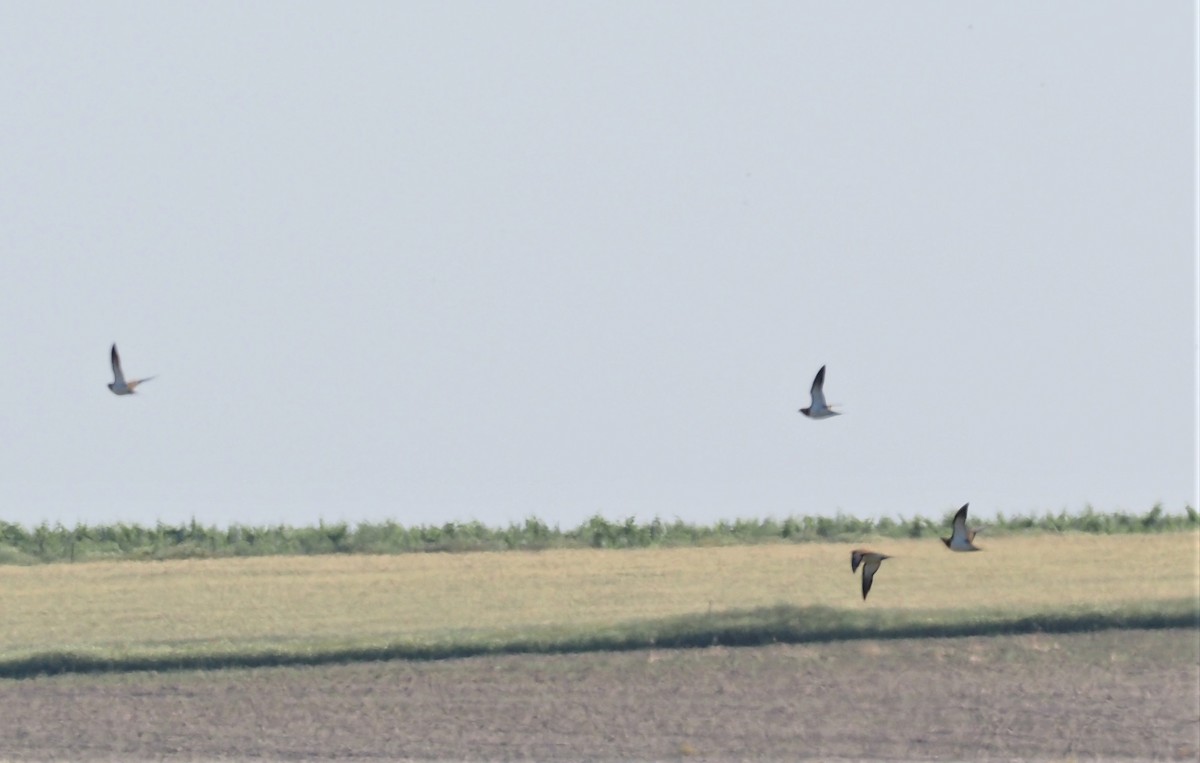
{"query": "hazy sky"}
(453, 261)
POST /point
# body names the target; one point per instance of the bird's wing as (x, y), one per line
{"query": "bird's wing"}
(818, 390)
(118, 377)
(960, 524)
(855, 558)
(869, 568)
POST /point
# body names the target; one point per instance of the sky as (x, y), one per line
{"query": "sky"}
(436, 262)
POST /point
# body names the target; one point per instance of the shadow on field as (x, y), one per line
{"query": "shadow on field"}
(754, 627)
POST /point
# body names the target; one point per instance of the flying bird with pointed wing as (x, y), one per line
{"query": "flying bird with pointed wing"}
(960, 537)
(870, 562)
(818, 409)
(119, 385)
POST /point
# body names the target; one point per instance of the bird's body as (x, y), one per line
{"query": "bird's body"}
(960, 537)
(870, 562)
(119, 385)
(818, 409)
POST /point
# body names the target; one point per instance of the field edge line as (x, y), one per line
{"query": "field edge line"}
(781, 624)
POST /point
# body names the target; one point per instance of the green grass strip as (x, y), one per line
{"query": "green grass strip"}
(755, 627)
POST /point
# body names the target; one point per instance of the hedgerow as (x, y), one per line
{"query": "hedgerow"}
(83, 542)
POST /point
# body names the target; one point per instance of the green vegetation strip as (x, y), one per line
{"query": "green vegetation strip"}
(754, 627)
(58, 543)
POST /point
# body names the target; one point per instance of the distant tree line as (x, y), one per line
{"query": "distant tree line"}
(58, 543)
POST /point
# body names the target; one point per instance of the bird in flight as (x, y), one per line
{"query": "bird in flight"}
(818, 409)
(960, 537)
(870, 562)
(119, 386)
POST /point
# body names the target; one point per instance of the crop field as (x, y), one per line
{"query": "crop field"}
(1040, 645)
(1115, 694)
(211, 613)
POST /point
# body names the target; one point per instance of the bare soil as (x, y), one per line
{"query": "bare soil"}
(1114, 694)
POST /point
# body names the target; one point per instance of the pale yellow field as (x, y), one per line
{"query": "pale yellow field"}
(370, 599)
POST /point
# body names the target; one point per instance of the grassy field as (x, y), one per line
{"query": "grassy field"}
(206, 613)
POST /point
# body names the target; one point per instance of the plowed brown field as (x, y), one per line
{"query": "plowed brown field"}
(1107, 694)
